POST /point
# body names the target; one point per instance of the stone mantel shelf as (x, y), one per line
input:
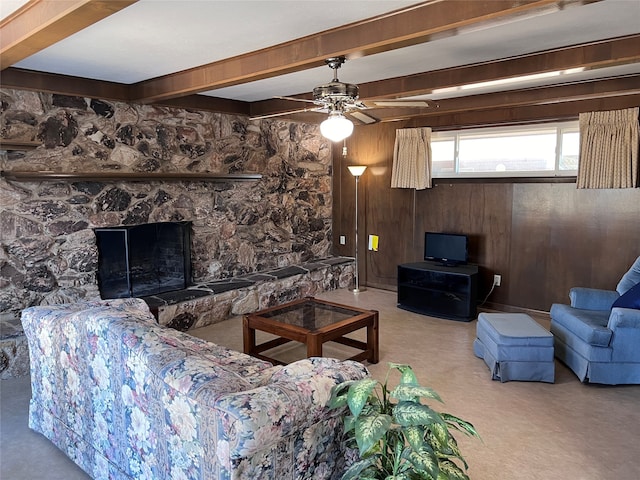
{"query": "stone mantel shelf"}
(25, 176)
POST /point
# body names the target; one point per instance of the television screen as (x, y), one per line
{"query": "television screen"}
(447, 248)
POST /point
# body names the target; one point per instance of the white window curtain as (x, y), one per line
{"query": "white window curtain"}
(609, 149)
(412, 159)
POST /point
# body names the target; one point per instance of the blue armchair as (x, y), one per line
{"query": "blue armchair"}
(595, 337)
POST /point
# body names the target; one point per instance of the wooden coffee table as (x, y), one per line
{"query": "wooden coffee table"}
(312, 322)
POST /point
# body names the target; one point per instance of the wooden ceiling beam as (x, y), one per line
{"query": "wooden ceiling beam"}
(64, 84)
(41, 23)
(573, 92)
(606, 53)
(405, 27)
(522, 114)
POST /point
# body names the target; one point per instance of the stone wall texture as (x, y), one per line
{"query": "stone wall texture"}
(48, 252)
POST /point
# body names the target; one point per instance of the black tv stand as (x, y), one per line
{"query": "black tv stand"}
(431, 288)
(448, 264)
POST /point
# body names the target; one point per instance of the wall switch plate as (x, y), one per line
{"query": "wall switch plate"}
(497, 279)
(343, 240)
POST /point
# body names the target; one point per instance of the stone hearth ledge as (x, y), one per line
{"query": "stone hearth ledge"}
(212, 302)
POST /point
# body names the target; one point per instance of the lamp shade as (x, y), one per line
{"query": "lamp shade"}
(336, 127)
(357, 170)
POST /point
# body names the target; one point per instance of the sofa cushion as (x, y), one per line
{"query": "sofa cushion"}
(630, 299)
(629, 279)
(588, 325)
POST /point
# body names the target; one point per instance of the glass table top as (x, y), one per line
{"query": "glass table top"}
(310, 314)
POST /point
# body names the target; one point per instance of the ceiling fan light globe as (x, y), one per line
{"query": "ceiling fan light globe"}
(336, 128)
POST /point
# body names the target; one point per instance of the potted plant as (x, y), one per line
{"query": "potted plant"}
(399, 437)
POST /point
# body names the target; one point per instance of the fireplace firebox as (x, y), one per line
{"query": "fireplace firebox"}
(143, 260)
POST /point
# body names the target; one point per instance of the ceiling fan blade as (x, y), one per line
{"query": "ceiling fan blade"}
(282, 114)
(362, 117)
(403, 103)
(294, 99)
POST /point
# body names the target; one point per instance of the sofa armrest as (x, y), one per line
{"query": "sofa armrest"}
(295, 399)
(592, 298)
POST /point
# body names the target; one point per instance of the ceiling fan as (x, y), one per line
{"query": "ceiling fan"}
(341, 100)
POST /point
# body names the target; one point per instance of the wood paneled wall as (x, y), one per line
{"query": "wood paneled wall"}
(543, 238)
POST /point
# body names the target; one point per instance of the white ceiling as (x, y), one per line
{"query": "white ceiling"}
(157, 37)
(9, 6)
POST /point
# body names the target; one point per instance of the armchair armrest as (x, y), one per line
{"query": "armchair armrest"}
(625, 327)
(624, 318)
(592, 298)
(295, 399)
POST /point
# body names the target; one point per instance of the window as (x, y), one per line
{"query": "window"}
(523, 151)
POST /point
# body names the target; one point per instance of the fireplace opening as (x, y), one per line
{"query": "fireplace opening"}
(142, 260)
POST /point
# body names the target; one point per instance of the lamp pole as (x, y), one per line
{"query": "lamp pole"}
(357, 171)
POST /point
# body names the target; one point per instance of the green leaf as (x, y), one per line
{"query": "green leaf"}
(349, 423)
(410, 391)
(339, 395)
(442, 436)
(407, 373)
(453, 447)
(424, 461)
(450, 471)
(355, 470)
(412, 413)
(461, 425)
(452, 451)
(397, 448)
(369, 476)
(414, 436)
(358, 394)
(369, 430)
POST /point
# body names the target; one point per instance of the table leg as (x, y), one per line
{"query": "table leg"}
(248, 336)
(372, 339)
(314, 345)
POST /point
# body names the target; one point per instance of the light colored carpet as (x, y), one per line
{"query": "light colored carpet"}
(529, 430)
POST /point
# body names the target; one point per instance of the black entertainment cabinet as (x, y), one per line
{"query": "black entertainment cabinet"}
(439, 290)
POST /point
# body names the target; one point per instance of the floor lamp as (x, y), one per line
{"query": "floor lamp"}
(357, 171)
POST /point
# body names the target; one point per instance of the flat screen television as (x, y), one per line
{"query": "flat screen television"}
(446, 248)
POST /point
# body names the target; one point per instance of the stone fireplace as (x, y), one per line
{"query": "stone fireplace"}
(48, 244)
(142, 260)
(279, 224)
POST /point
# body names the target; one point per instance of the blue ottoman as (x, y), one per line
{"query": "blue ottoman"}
(514, 347)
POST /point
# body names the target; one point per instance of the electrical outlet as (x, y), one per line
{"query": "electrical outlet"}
(343, 240)
(497, 279)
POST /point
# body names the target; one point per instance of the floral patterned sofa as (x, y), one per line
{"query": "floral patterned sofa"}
(126, 398)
